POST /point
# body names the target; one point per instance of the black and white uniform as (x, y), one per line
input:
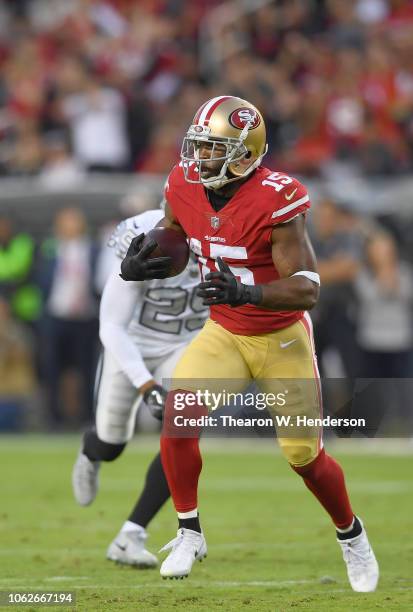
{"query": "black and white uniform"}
(144, 328)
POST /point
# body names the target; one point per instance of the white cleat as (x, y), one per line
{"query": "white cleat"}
(362, 566)
(128, 548)
(188, 546)
(85, 479)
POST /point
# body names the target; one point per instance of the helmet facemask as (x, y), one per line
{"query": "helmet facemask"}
(235, 151)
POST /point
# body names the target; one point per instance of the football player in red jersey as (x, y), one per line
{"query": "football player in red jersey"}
(246, 224)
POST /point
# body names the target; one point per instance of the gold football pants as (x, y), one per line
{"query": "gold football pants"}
(281, 362)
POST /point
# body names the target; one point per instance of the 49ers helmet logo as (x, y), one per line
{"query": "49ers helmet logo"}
(241, 116)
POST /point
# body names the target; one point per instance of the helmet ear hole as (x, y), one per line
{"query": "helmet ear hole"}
(248, 154)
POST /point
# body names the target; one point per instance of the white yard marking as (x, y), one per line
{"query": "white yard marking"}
(65, 578)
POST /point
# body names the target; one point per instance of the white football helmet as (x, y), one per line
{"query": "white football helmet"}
(238, 126)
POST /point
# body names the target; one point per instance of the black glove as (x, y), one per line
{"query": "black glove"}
(155, 399)
(136, 267)
(224, 288)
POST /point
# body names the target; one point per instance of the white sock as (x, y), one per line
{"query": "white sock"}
(129, 526)
(347, 529)
(190, 514)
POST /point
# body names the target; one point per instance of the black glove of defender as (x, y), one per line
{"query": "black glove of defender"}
(155, 399)
(224, 288)
(135, 265)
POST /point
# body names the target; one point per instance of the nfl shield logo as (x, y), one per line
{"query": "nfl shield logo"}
(215, 222)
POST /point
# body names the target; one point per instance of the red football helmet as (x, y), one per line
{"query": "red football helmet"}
(236, 134)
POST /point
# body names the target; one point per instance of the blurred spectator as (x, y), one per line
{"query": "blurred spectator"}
(23, 152)
(163, 151)
(17, 380)
(380, 153)
(70, 326)
(97, 119)
(60, 171)
(345, 30)
(371, 11)
(338, 242)
(17, 263)
(16, 372)
(384, 290)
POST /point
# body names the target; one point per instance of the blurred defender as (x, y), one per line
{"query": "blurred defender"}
(144, 329)
(246, 224)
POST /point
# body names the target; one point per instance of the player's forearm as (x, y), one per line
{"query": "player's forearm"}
(118, 303)
(296, 292)
(118, 343)
(293, 293)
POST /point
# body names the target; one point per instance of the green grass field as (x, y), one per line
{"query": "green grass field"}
(271, 547)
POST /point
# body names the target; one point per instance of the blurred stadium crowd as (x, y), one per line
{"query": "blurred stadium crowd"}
(110, 86)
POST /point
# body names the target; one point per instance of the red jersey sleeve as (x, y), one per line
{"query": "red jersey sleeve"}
(291, 201)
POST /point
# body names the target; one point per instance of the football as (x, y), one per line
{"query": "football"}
(171, 243)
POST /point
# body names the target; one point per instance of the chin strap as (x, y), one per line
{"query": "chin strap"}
(219, 181)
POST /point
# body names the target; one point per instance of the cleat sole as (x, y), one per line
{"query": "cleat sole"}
(136, 566)
(175, 577)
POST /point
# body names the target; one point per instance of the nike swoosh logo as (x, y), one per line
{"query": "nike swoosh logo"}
(121, 547)
(291, 195)
(284, 345)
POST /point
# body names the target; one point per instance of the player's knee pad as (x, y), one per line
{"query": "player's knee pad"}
(115, 423)
(116, 404)
(299, 452)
